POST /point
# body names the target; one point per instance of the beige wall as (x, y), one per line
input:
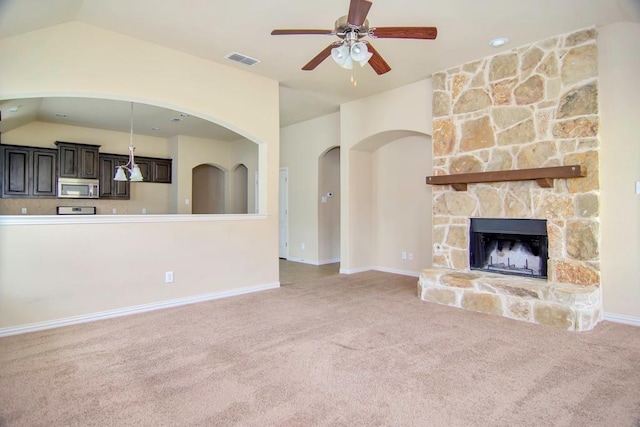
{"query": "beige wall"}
(402, 204)
(191, 152)
(93, 267)
(329, 210)
(246, 152)
(302, 145)
(360, 219)
(56, 271)
(369, 124)
(619, 67)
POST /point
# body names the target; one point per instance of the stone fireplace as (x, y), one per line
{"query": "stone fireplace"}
(532, 107)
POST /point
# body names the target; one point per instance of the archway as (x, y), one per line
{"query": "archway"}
(208, 190)
(240, 190)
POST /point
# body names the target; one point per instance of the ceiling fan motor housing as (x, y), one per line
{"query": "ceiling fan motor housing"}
(343, 28)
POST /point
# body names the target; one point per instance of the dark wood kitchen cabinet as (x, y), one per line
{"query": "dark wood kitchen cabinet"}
(109, 188)
(28, 171)
(155, 169)
(78, 160)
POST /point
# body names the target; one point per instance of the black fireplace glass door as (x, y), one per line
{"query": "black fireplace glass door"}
(509, 246)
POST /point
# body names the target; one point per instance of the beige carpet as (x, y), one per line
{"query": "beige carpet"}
(341, 350)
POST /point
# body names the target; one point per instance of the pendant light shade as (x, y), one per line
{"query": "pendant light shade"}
(120, 175)
(136, 175)
(342, 56)
(350, 51)
(360, 53)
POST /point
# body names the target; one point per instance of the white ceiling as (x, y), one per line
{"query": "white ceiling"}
(212, 28)
(109, 115)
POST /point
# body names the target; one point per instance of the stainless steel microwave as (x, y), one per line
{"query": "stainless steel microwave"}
(74, 188)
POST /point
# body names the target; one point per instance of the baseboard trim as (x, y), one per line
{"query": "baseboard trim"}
(621, 318)
(381, 269)
(313, 261)
(355, 270)
(396, 271)
(74, 320)
(302, 260)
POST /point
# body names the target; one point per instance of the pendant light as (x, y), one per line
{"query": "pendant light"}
(134, 170)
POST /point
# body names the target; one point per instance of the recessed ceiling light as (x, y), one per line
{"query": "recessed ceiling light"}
(15, 108)
(184, 115)
(500, 41)
(61, 115)
(155, 128)
(176, 119)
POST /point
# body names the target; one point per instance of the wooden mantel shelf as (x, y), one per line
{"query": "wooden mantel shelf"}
(543, 176)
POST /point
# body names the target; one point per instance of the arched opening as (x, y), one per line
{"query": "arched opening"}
(329, 206)
(240, 190)
(389, 197)
(208, 188)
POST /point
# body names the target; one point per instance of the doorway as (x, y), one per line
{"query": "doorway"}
(208, 188)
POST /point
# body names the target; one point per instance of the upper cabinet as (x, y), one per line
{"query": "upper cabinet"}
(78, 160)
(155, 169)
(28, 171)
(109, 188)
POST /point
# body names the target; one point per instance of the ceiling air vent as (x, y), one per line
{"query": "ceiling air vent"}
(243, 59)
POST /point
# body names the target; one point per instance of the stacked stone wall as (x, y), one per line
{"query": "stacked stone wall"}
(534, 106)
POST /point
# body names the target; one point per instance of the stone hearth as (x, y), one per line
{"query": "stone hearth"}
(564, 306)
(532, 107)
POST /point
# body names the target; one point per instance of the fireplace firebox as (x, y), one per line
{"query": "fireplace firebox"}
(509, 246)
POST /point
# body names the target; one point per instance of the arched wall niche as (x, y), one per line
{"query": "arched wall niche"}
(209, 191)
(374, 142)
(389, 203)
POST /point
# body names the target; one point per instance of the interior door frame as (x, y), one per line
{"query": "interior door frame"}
(283, 217)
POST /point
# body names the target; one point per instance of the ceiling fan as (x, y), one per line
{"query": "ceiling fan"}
(351, 29)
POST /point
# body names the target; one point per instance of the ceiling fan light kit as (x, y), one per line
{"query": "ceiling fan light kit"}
(351, 29)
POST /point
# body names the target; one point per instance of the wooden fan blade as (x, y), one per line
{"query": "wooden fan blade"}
(358, 10)
(378, 64)
(298, 32)
(405, 32)
(311, 65)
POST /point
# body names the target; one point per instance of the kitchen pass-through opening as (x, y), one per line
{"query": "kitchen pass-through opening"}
(509, 246)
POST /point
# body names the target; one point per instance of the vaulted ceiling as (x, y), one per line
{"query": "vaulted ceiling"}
(212, 29)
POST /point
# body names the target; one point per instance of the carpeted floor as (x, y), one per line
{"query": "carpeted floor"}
(339, 350)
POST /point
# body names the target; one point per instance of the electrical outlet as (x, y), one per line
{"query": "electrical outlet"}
(410, 256)
(302, 246)
(186, 201)
(168, 277)
(144, 211)
(437, 248)
(24, 211)
(114, 211)
(404, 255)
